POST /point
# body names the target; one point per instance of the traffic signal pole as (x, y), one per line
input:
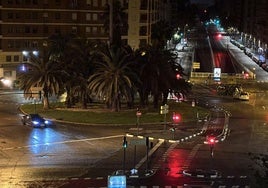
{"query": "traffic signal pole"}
(124, 155)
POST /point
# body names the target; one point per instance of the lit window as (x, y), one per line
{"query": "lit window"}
(94, 29)
(95, 17)
(74, 29)
(88, 29)
(74, 16)
(88, 16)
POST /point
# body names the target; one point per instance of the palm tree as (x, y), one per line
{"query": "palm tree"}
(45, 74)
(112, 77)
(157, 73)
(158, 70)
(78, 63)
(161, 33)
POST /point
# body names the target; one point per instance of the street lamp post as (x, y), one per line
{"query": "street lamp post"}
(184, 30)
(138, 115)
(254, 75)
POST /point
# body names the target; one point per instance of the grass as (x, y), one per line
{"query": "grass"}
(97, 114)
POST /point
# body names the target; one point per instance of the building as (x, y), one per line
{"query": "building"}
(250, 17)
(26, 25)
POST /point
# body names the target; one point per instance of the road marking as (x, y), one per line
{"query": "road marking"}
(63, 142)
(191, 155)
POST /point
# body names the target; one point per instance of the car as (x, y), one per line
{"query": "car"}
(34, 120)
(244, 96)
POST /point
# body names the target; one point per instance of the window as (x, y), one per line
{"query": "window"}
(74, 16)
(103, 3)
(88, 16)
(102, 30)
(45, 14)
(143, 30)
(18, 2)
(94, 29)
(45, 29)
(10, 44)
(35, 29)
(10, 29)
(58, 2)
(74, 3)
(89, 3)
(27, 29)
(17, 15)
(16, 58)
(74, 29)
(143, 42)
(7, 73)
(10, 15)
(88, 29)
(34, 15)
(57, 15)
(8, 58)
(35, 44)
(95, 3)
(95, 16)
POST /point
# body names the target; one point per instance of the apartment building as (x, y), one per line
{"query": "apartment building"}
(251, 19)
(25, 25)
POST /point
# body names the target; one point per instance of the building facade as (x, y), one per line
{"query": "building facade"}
(250, 17)
(26, 25)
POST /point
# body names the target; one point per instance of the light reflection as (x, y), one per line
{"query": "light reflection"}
(174, 163)
(39, 139)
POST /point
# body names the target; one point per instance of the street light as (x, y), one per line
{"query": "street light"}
(184, 30)
(254, 75)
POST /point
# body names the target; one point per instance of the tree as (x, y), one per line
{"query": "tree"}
(40, 73)
(112, 76)
(158, 69)
(78, 64)
(161, 33)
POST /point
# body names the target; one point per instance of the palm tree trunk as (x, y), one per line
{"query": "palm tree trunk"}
(46, 103)
(45, 100)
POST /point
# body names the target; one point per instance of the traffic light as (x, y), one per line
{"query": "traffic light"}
(125, 142)
(176, 118)
(211, 140)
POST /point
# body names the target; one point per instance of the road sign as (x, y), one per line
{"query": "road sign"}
(118, 181)
(164, 109)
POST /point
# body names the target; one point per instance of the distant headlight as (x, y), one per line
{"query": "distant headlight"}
(47, 122)
(35, 122)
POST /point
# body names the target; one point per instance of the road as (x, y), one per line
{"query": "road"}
(65, 155)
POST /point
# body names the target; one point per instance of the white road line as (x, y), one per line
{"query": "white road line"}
(64, 142)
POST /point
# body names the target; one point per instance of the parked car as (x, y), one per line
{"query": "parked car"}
(34, 120)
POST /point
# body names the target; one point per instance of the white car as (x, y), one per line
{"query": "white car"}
(244, 96)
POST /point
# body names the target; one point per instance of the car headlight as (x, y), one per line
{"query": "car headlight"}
(46, 122)
(35, 122)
